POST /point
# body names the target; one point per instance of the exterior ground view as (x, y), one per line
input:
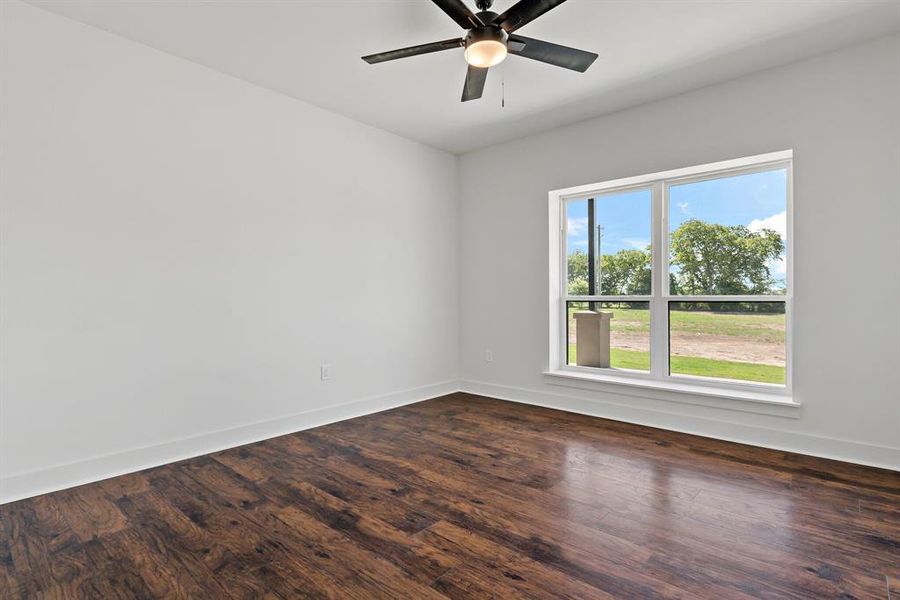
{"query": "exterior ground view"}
(747, 346)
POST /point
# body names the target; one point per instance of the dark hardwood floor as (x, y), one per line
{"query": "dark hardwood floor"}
(465, 496)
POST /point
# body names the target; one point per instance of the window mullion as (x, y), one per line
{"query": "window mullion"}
(659, 338)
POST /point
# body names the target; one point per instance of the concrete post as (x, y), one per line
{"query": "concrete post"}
(592, 338)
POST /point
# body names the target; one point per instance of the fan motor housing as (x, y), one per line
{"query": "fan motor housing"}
(488, 32)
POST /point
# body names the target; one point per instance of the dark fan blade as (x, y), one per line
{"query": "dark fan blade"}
(460, 13)
(513, 45)
(553, 54)
(414, 51)
(524, 11)
(475, 78)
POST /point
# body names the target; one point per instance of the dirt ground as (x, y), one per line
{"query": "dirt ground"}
(718, 347)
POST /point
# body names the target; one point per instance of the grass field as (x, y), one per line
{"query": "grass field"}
(690, 365)
(696, 332)
(768, 328)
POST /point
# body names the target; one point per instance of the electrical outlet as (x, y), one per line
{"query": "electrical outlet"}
(488, 356)
(326, 372)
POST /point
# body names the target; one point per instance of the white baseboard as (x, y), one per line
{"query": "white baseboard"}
(32, 483)
(51, 479)
(885, 457)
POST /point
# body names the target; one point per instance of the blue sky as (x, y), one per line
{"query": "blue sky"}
(625, 219)
(757, 200)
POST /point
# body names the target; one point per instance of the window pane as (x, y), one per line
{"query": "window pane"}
(577, 247)
(729, 235)
(608, 244)
(741, 341)
(613, 334)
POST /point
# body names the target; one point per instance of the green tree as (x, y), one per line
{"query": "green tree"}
(578, 273)
(721, 259)
(627, 272)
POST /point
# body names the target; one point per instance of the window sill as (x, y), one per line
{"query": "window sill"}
(761, 402)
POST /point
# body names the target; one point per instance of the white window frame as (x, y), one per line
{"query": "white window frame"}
(658, 377)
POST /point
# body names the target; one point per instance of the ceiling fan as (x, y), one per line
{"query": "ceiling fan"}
(490, 37)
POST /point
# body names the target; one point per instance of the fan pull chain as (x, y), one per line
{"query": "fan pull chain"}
(503, 86)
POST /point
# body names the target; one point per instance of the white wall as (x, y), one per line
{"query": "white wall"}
(181, 251)
(840, 113)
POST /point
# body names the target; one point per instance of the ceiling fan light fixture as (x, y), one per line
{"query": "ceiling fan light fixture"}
(490, 37)
(486, 53)
(486, 47)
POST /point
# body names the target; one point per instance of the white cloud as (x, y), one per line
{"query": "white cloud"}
(636, 243)
(775, 223)
(577, 226)
(683, 206)
(777, 266)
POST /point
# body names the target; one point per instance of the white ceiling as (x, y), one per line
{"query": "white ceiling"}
(648, 49)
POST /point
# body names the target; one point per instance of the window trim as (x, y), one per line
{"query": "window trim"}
(660, 295)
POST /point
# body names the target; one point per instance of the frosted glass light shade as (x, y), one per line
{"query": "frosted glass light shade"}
(485, 53)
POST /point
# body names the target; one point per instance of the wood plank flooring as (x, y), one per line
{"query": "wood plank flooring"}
(466, 497)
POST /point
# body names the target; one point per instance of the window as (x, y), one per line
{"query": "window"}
(682, 276)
